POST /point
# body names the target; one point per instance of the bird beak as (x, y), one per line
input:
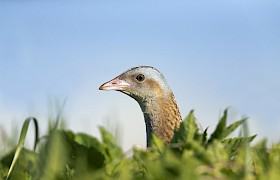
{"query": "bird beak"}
(114, 84)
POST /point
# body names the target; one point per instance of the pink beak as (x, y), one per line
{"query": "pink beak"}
(114, 84)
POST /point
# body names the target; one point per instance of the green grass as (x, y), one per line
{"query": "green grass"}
(62, 154)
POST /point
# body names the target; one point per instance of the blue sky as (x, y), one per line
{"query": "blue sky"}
(214, 54)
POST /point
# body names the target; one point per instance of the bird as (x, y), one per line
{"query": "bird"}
(149, 88)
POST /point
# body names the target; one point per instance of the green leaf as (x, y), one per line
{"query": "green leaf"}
(232, 127)
(218, 132)
(111, 149)
(191, 127)
(87, 140)
(157, 143)
(187, 131)
(233, 144)
(93, 150)
(204, 135)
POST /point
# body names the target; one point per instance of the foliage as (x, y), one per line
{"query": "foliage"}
(192, 154)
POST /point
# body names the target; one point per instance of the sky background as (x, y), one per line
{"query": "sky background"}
(214, 55)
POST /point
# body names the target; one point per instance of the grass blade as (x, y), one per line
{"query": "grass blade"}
(22, 140)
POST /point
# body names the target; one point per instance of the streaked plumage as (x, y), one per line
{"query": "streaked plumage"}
(149, 88)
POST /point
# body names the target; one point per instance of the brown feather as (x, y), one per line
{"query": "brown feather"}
(165, 116)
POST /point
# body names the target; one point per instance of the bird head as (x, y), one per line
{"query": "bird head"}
(141, 83)
(149, 88)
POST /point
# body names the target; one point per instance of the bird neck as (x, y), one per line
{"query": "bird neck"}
(162, 117)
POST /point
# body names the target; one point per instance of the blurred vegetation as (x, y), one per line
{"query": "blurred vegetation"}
(193, 154)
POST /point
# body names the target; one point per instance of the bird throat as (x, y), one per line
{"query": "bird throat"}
(149, 129)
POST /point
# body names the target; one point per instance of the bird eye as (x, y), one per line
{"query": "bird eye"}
(140, 77)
